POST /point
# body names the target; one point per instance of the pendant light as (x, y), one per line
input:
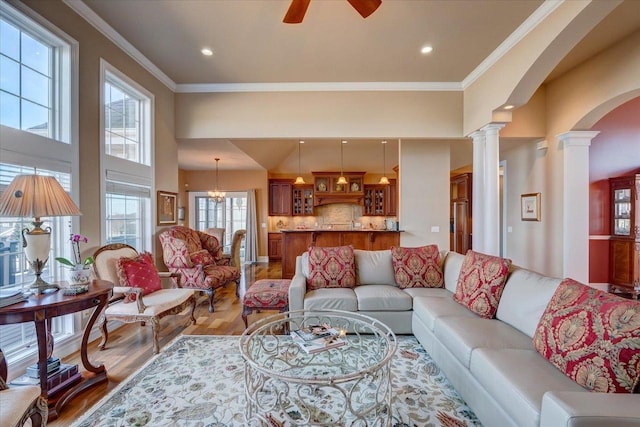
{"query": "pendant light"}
(342, 180)
(217, 196)
(384, 180)
(299, 178)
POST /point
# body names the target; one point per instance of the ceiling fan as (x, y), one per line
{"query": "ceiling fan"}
(297, 9)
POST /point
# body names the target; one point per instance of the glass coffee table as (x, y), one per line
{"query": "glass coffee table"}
(347, 386)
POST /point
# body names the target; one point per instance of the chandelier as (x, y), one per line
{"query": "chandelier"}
(299, 178)
(341, 179)
(217, 196)
(384, 180)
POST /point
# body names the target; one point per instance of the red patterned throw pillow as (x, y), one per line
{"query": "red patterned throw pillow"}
(202, 257)
(331, 267)
(139, 272)
(593, 337)
(481, 282)
(417, 267)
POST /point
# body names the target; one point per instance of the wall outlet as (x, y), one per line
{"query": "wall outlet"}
(264, 225)
(509, 229)
(435, 229)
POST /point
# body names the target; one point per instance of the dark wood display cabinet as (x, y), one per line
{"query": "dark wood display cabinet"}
(460, 220)
(326, 188)
(302, 200)
(624, 246)
(380, 199)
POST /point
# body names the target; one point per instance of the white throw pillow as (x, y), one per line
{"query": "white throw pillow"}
(374, 267)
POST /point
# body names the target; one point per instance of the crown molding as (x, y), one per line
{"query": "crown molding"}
(514, 38)
(321, 87)
(109, 32)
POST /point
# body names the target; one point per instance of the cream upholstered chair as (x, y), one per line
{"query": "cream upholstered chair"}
(236, 243)
(218, 233)
(21, 403)
(147, 308)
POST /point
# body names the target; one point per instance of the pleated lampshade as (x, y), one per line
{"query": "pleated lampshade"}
(36, 196)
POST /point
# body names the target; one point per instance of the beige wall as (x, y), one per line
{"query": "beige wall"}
(517, 75)
(572, 101)
(423, 206)
(319, 114)
(93, 46)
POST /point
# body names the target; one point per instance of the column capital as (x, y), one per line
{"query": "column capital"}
(493, 127)
(477, 136)
(580, 138)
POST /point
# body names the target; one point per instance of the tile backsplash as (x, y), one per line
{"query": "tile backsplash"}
(336, 216)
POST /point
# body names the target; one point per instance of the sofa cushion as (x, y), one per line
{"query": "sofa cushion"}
(331, 267)
(452, 265)
(417, 267)
(428, 309)
(481, 282)
(382, 298)
(138, 272)
(374, 267)
(202, 257)
(524, 299)
(331, 299)
(517, 379)
(593, 337)
(462, 335)
(429, 292)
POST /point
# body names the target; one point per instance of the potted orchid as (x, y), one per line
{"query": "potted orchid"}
(80, 270)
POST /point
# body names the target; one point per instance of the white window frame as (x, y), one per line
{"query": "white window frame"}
(122, 170)
(59, 153)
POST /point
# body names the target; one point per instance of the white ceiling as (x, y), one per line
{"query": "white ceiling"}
(333, 44)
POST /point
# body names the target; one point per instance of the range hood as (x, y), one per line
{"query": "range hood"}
(328, 199)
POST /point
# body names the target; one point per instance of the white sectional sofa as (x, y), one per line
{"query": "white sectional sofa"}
(491, 362)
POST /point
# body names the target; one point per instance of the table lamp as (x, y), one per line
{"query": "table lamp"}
(37, 196)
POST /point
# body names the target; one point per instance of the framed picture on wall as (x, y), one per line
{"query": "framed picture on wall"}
(167, 208)
(530, 207)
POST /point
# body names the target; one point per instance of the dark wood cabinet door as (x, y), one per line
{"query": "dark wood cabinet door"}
(275, 246)
(280, 198)
(392, 198)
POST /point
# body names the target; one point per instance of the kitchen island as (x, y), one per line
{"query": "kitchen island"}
(295, 242)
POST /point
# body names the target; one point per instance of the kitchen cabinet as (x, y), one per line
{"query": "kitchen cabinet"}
(460, 213)
(380, 199)
(326, 188)
(302, 200)
(624, 245)
(280, 197)
(274, 246)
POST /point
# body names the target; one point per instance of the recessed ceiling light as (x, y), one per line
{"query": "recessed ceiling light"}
(426, 49)
(206, 51)
(508, 107)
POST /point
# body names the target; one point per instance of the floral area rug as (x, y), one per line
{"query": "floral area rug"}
(199, 381)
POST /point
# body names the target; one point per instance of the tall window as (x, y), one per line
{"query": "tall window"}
(38, 75)
(35, 77)
(230, 215)
(127, 159)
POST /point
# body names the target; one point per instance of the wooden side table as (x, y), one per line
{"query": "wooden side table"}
(40, 309)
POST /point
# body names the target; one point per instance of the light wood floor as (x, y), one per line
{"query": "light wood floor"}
(130, 346)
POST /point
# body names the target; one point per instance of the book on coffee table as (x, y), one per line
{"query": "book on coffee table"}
(321, 343)
(313, 332)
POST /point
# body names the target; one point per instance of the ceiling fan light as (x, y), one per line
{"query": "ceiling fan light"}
(384, 181)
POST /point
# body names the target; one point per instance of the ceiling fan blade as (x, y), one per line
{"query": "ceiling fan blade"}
(296, 11)
(365, 7)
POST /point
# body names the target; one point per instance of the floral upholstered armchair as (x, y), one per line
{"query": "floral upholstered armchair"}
(197, 256)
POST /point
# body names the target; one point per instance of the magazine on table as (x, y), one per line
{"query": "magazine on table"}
(324, 340)
(313, 332)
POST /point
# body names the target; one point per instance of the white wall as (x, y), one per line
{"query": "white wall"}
(424, 193)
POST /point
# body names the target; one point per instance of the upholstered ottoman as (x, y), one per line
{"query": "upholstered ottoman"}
(266, 294)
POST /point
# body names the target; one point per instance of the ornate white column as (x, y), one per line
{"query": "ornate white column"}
(492, 189)
(575, 203)
(477, 193)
